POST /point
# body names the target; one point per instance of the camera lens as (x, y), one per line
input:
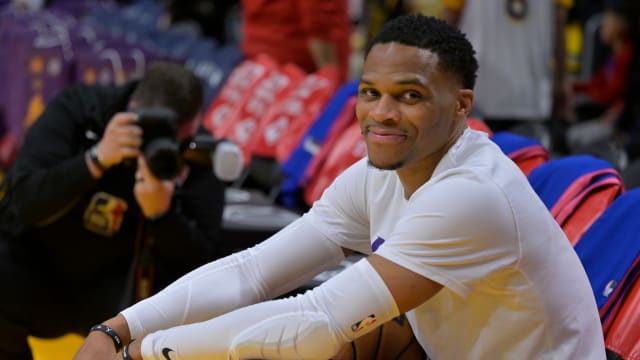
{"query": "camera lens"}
(163, 158)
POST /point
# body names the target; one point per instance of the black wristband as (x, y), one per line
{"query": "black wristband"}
(109, 331)
(125, 351)
(95, 159)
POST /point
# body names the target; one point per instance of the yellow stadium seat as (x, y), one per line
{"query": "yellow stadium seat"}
(63, 347)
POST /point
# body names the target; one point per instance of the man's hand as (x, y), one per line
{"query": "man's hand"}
(96, 346)
(153, 195)
(99, 346)
(122, 139)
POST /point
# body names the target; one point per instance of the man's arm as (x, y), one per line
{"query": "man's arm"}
(452, 11)
(280, 264)
(453, 243)
(191, 213)
(325, 22)
(315, 324)
(50, 168)
(323, 52)
(407, 288)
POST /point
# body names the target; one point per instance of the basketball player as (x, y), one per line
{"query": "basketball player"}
(455, 235)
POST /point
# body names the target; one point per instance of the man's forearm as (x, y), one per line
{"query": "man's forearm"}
(451, 16)
(272, 268)
(323, 52)
(313, 325)
(59, 187)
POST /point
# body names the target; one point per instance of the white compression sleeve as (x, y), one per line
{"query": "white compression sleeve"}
(309, 326)
(280, 264)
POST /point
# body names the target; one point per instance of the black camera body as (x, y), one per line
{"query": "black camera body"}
(165, 156)
(222, 156)
(159, 141)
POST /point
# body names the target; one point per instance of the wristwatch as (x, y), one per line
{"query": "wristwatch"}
(95, 158)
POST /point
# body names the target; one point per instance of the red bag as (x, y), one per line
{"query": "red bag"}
(236, 91)
(578, 215)
(623, 338)
(349, 148)
(344, 120)
(478, 124)
(297, 112)
(244, 125)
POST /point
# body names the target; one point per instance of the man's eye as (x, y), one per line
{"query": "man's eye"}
(368, 93)
(412, 96)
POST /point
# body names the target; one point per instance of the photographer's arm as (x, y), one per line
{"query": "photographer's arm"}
(50, 169)
(185, 221)
(322, 22)
(121, 140)
(53, 167)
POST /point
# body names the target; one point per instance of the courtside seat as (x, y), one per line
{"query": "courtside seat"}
(478, 124)
(610, 253)
(576, 189)
(527, 152)
(623, 339)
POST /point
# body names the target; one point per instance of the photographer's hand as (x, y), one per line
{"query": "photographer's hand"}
(153, 195)
(122, 139)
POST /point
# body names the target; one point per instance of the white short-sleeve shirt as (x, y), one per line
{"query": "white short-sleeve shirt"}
(513, 286)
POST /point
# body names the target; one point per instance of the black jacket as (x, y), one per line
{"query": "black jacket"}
(78, 228)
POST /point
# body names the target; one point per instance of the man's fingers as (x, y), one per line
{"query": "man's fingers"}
(129, 152)
(130, 140)
(123, 124)
(125, 132)
(143, 169)
(123, 118)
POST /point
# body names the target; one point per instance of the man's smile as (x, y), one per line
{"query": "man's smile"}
(386, 135)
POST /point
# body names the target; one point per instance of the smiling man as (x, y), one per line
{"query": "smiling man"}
(456, 239)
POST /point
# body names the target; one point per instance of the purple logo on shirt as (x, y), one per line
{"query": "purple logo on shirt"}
(376, 243)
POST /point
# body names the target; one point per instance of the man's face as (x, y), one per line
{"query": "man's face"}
(406, 105)
(184, 130)
(612, 28)
(188, 129)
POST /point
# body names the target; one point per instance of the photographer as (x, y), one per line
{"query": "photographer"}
(87, 225)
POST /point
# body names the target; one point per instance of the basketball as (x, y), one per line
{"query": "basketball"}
(392, 340)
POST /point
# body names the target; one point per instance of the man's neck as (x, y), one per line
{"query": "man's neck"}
(415, 175)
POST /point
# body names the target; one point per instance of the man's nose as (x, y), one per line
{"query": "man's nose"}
(385, 109)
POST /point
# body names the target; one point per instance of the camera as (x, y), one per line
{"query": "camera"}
(223, 156)
(159, 143)
(165, 156)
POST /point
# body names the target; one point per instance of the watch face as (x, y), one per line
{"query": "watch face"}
(95, 158)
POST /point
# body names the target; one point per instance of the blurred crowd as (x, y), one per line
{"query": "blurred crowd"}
(564, 71)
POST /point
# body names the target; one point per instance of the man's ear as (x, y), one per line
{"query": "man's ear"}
(464, 102)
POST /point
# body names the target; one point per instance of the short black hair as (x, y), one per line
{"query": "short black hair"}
(455, 52)
(170, 85)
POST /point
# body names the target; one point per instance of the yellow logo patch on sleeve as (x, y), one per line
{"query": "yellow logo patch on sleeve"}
(104, 214)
